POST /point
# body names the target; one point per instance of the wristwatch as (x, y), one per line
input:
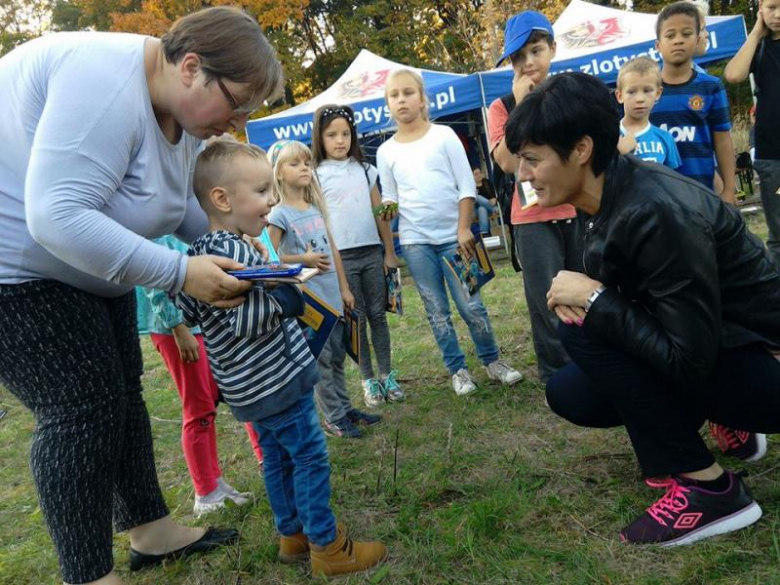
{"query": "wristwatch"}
(593, 296)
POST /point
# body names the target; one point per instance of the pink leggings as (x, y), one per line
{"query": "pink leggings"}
(199, 394)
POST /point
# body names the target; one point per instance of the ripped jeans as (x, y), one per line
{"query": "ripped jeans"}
(427, 267)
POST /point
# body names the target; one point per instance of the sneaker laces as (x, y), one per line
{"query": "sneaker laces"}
(390, 382)
(726, 437)
(672, 502)
(375, 388)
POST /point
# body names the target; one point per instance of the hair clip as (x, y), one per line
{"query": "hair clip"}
(338, 112)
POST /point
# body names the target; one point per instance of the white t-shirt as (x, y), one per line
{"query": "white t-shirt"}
(86, 175)
(347, 187)
(428, 178)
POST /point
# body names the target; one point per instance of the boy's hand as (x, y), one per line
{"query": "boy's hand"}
(258, 246)
(522, 85)
(729, 196)
(466, 243)
(208, 281)
(627, 143)
(760, 29)
(316, 260)
(189, 349)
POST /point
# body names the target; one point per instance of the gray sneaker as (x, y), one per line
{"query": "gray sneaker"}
(503, 372)
(463, 383)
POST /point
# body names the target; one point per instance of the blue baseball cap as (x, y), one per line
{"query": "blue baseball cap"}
(519, 28)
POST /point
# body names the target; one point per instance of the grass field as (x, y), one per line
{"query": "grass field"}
(487, 489)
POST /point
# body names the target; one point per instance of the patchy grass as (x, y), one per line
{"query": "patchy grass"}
(488, 489)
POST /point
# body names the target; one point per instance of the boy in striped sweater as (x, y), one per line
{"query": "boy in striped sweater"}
(263, 366)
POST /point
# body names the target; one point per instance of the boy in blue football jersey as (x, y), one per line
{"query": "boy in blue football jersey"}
(638, 89)
(693, 107)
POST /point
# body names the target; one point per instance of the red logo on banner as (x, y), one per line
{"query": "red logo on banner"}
(594, 33)
(363, 84)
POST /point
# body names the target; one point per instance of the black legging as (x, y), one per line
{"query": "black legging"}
(74, 359)
(605, 387)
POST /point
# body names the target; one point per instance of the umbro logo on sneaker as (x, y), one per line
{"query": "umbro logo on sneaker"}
(688, 520)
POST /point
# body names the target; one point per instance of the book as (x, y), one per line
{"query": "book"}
(527, 194)
(475, 272)
(291, 273)
(352, 334)
(317, 322)
(393, 285)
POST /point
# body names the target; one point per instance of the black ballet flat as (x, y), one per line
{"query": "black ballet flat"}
(213, 538)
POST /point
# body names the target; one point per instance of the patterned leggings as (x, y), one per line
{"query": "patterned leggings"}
(74, 360)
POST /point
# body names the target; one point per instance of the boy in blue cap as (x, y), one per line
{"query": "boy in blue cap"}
(547, 240)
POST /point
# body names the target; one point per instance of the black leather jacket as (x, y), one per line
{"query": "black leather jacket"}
(684, 276)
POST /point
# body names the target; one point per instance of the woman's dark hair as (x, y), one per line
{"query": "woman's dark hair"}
(560, 112)
(322, 119)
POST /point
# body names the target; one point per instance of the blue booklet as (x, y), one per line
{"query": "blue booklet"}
(275, 272)
(474, 272)
(317, 321)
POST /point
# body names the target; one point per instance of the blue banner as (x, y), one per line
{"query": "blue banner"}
(458, 94)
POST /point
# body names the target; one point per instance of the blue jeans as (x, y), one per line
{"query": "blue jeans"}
(426, 265)
(297, 472)
(484, 209)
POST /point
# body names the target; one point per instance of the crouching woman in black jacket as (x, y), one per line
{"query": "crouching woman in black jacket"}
(674, 322)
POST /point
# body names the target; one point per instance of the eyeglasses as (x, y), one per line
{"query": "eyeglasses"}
(237, 108)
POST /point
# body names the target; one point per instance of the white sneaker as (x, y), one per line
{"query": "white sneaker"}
(463, 383)
(235, 496)
(503, 372)
(200, 508)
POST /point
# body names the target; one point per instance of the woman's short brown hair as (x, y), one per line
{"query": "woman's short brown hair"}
(231, 45)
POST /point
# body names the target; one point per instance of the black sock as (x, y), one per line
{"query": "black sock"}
(720, 484)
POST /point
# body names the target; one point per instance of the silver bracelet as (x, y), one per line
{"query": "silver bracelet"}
(593, 296)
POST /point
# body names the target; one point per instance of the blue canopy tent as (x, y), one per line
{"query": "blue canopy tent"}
(362, 87)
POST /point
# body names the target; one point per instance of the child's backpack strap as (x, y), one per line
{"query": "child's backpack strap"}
(509, 102)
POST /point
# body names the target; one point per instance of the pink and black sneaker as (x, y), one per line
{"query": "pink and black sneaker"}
(740, 444)
(688, 513)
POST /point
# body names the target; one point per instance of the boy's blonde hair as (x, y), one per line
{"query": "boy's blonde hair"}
(212, 169)
(418, 81)
(641, 66)
(285, 151)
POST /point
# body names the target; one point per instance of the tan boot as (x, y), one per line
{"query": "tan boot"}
(344, 555)
(295, 548)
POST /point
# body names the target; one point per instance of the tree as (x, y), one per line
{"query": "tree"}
(22, 20)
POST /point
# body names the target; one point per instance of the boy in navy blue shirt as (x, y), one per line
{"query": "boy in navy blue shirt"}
(693, 108)
(638, 89)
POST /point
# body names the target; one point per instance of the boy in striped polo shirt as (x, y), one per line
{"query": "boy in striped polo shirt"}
(694, 107)
(263, 366)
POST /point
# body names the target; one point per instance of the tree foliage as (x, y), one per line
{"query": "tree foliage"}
(22, 20)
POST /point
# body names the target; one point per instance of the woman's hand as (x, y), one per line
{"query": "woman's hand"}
(259, 246)
(189, 349)
(570, 315)
(207, 281)
(466, 243)
(570, 289)
(348, 299)
(316, 260)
